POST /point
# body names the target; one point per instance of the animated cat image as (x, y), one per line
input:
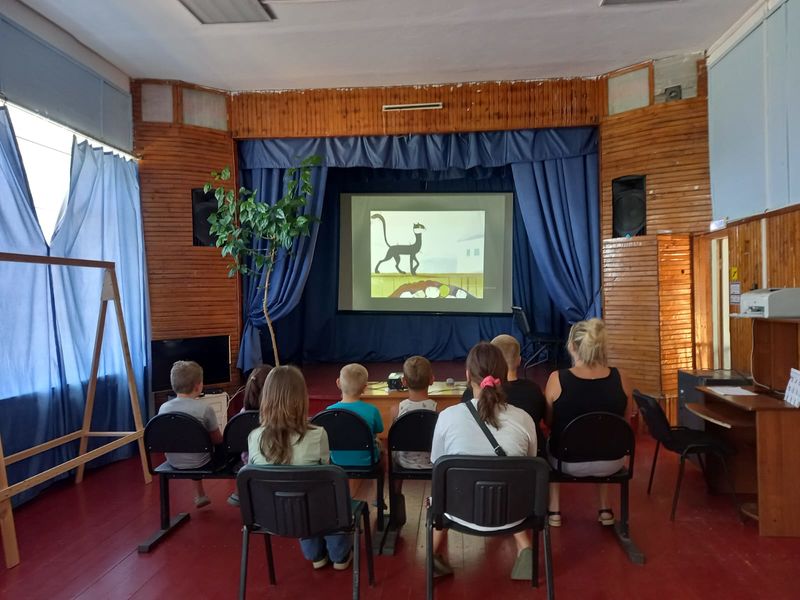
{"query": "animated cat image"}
(397, 251)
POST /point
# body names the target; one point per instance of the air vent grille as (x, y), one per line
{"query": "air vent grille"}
(632, 2)
(214, 12)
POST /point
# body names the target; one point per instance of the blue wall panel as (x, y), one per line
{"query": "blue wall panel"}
(793, 97)
(737, 129)
(777, 148)
(41, 78)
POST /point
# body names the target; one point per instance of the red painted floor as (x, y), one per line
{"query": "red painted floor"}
(80, 542)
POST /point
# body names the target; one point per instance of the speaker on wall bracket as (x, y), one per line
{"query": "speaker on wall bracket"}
(203, 205)
(628, 208)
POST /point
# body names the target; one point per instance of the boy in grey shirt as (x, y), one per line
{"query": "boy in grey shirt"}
(186, 378)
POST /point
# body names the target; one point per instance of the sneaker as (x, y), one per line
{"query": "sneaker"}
(440, 566)
(201, 501)
(341, 566)
(233, 499)
(318, 564)
(523, 565)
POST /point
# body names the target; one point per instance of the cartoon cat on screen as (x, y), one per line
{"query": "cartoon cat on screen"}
(399, 250)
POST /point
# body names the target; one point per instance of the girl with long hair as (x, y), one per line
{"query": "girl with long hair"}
(286, 438)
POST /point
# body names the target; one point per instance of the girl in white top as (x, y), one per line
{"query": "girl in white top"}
(457, 432)
(286, 438)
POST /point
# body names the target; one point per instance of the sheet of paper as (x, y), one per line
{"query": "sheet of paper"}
(729, 390)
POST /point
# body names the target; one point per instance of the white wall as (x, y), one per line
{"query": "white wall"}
(754, 112)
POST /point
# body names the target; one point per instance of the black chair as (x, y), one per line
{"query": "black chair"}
(535, 343)
(600, 436)
(234, 437)
(177, 432)
(411, 432)
(300, 502)
(491, 491)
(683, 441)
(348, 431)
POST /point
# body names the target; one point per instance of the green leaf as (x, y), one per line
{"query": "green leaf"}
(226, 174)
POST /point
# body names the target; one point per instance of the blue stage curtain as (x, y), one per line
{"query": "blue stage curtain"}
(560, 208)
(434, 157)
(315, 332)
(289, 275)
(102, 221)
(31, 407)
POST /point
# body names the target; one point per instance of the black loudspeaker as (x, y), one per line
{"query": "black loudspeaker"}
(203, 206)
(628, 209)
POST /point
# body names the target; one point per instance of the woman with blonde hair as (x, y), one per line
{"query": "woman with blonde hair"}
(590, 385)
(285, 437)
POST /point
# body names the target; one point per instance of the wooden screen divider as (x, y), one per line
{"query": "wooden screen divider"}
(109, 293)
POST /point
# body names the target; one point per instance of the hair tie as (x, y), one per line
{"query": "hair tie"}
(490, 381)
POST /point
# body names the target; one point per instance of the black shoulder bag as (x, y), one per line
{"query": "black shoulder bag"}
(498, 449)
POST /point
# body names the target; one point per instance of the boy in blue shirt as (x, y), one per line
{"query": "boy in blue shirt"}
(352, 381)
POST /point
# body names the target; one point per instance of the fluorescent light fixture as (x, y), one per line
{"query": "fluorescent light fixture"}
(718, 224)
(214, 12)
(632, 2)
(420, 106)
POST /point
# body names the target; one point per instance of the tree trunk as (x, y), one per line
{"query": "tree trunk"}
(266, 310)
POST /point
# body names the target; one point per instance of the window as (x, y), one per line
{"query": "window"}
(46, 151)
(476, 252)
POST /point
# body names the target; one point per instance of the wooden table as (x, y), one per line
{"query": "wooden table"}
(765, 432)
(385, 399)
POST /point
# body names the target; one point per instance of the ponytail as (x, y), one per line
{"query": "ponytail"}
(487, 367)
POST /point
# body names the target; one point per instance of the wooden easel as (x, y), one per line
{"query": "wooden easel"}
(110, 292)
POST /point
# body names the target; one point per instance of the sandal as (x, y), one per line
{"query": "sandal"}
(554, 518)
(523, 566)
(605, 516)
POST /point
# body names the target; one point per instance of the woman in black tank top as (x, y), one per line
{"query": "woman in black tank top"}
(589, 386)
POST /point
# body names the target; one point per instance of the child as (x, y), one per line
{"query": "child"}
(186, 378)
(522, 393)
(417, 377)
(352, 381)
(252, 401)
(286, 438)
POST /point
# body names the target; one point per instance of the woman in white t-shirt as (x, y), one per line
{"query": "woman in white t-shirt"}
(457, 432)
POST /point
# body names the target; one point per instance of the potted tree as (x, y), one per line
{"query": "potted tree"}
(240, 222)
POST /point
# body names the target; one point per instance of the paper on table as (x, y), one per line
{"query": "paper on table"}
(730, 390)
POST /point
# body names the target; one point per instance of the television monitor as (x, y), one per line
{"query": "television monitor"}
(210, 352)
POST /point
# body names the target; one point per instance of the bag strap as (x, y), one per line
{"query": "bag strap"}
(498, 449)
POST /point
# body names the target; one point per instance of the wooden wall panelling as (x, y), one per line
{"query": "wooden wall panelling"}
(190, 292)
(669, 144)
(631, 309)
(481, 106)
(675, 309)
(701, 294)
(744, 253)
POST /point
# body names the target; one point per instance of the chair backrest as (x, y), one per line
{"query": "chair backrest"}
(654, 416)
(413, 431)
(596, 436)
(521, 320)
(296, 502)
(490, 491)
(176, 432)
(346, 430)
(234, 438)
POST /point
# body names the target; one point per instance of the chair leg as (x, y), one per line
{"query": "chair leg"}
(535, 563)
(653, 468)
(368, 547)
(429, 557)
(677, 488)
(270, 562)
(702, 461)
(243, 569)
(548, 563)
(357, 560)
(624, 511)
(379, 501)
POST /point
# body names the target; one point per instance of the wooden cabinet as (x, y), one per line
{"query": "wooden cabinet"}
(647, 288)
(776, 349)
